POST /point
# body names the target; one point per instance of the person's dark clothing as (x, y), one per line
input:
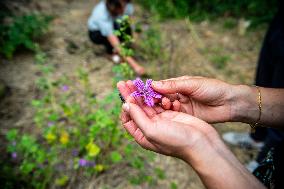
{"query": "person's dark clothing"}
(270, 73)
(97, 38)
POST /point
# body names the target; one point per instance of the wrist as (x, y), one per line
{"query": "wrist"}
(244, 105)
(197, 156)
(215, 163)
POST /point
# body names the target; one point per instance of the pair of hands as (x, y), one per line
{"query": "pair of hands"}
(177, 126)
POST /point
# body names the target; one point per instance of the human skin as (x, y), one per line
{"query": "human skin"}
(186, 137)
(114, 41)
(215, 101)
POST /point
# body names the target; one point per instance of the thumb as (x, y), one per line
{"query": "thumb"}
(184, 86)
(138, 116)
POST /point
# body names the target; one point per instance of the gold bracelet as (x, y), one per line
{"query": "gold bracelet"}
(254, 125)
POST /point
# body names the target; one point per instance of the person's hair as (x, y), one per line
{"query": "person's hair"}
(113, 5)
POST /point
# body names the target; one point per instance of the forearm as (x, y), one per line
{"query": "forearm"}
(221, 169)
(115, 43)
(244, 107)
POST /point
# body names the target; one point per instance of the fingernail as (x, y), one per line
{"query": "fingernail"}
(125, 107)
(157, 83)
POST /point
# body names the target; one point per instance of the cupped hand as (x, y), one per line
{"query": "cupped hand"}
(164, 131)
(181, 135)
(208, 99)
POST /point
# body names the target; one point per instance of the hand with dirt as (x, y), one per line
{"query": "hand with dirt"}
(186, 137)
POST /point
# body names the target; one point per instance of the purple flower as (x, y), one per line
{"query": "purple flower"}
(86, 163)
(14, 155)
(64, 88)
(83, 162)
(146, 91)
(50, 124)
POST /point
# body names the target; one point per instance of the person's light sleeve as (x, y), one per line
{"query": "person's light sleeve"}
(129, 9)
(106, 28)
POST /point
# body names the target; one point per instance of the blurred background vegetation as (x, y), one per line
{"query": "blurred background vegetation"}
(59, 110)
(257, 11)
(21, 28)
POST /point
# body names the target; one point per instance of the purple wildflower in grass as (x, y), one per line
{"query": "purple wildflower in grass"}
(145, 91)
(64, 88)
(14, 155)
(83, 162)
(50, 124)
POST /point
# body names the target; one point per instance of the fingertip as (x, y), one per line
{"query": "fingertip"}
(120, 84)
(157, 84)
(129, 82)
(176, 106)
(126, 107)
(166, 103)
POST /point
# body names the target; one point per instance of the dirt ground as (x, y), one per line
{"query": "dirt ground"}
(193, 50)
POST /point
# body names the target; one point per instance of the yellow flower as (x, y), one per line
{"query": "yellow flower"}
(99, 167)
(64, 137)
(50, 137)
(93, 149)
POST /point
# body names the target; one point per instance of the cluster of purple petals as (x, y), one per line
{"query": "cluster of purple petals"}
(146, 91)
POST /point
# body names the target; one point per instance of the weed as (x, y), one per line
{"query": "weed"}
(22, 32)
(258, 11)
(230, 23)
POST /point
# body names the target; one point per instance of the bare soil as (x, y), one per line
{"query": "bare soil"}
(193, 49)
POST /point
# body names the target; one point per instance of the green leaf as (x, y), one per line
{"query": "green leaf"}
(36, 103)
(160, 173)
(27, 167)
(11, 135)
(62, 181)
(137, 163)
(115, 157)
(174, 185)
(53, 117)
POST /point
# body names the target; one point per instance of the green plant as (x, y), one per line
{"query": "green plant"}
(126, 39)
(230, 23)
(75, 132)
(258, 11)
(168, 8)
(22, 32)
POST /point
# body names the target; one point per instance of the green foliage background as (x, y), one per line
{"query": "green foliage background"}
(258, 11)
(22, 31)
